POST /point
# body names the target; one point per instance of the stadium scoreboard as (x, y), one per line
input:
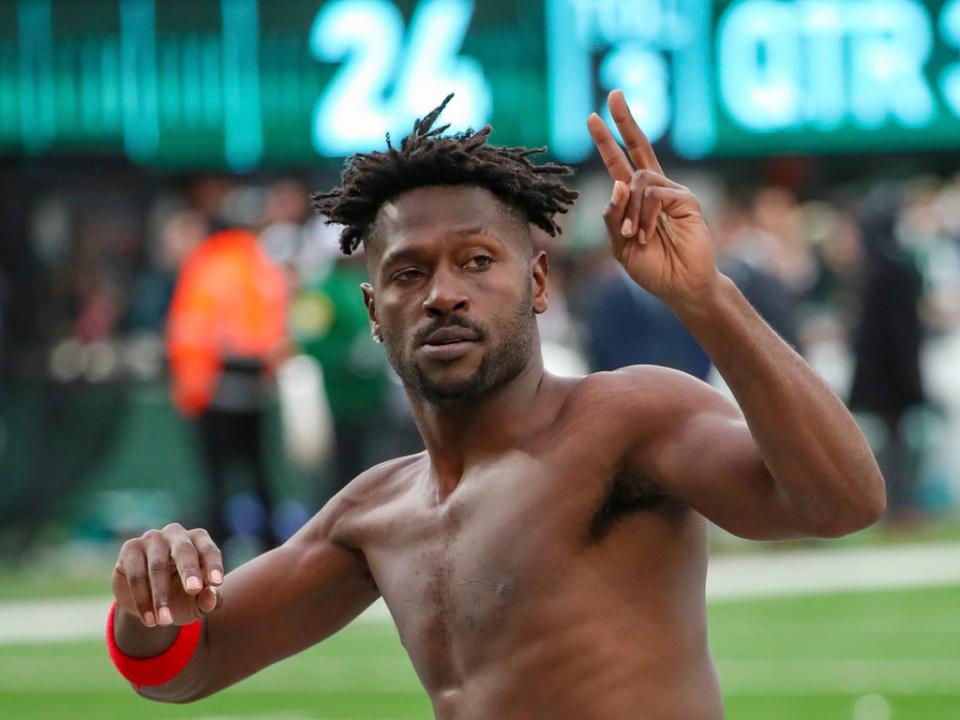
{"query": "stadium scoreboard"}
(247, 83)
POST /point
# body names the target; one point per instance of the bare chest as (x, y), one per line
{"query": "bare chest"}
(459, 576)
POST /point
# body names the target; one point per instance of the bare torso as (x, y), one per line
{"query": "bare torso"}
(550, 583)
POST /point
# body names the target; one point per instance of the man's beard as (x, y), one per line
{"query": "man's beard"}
(497, 367)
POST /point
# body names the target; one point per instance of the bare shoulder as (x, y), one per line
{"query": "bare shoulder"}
(369, 491)
(642, 399)
(376, 483)
(635, 378)
(646, 386)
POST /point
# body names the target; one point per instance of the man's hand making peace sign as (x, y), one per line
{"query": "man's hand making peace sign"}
(656, 230)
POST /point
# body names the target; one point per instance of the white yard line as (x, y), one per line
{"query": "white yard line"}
(807, 572)
(740, 577)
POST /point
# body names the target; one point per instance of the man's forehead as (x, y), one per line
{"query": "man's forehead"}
(442, 208)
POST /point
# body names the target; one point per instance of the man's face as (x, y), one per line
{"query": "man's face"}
(455, 289)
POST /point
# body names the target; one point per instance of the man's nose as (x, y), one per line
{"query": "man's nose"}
(446, 295)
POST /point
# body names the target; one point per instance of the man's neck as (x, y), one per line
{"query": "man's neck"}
(458, 432)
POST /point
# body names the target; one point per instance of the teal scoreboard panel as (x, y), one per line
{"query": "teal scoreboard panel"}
(247, 83)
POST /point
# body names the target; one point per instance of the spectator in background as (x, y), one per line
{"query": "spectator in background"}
(330, 324)
(629, 326)
(744, 254)
(781, 248)
(178, 235)
(887, 382)
(835, 232)
(226, 331)
(286, 210)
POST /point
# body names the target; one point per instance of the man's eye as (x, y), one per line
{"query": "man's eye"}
(478, 261)
(406, 275)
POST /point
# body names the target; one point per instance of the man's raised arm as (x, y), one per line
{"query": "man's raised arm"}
(794, 463)
(271, 607)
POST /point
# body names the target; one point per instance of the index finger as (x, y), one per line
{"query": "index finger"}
(610, 151)
(638, 146)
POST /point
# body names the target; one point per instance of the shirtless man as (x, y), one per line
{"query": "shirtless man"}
(546, 556)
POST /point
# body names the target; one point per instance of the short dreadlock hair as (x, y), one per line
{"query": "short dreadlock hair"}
(426, 157)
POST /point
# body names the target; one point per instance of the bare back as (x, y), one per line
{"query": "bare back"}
(551, 583)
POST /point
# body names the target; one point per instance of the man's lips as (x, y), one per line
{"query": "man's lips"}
(448, 350)
(450, 335)
(449, 343)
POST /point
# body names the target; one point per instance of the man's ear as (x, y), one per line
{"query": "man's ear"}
(369, 301)
(539, 269)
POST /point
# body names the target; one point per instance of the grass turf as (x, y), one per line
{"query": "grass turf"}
(854, 656)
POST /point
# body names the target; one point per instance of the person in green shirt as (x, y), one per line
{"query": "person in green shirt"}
(330, 324)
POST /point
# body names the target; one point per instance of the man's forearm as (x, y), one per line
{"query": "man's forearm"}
(809, 441)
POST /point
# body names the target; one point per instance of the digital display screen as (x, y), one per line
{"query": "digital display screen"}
(248, 83)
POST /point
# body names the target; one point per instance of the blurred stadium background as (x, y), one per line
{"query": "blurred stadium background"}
(823, 137)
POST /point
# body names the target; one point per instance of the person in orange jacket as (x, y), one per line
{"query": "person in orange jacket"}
(226, 330)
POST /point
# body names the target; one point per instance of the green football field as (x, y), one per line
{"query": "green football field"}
(856, 656)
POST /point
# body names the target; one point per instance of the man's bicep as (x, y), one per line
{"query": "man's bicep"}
(707, 458)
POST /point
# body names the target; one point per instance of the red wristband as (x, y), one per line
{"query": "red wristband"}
(161, 668)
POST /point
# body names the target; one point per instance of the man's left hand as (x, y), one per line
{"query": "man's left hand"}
(655, 226)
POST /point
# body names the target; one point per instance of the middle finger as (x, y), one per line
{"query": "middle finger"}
(158, 568)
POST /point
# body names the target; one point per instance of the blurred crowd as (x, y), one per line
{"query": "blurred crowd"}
(233, 294)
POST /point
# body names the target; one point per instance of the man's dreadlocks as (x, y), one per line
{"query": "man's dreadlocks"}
(426, 158)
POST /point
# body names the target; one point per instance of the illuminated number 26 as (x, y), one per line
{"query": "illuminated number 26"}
(357, 107)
